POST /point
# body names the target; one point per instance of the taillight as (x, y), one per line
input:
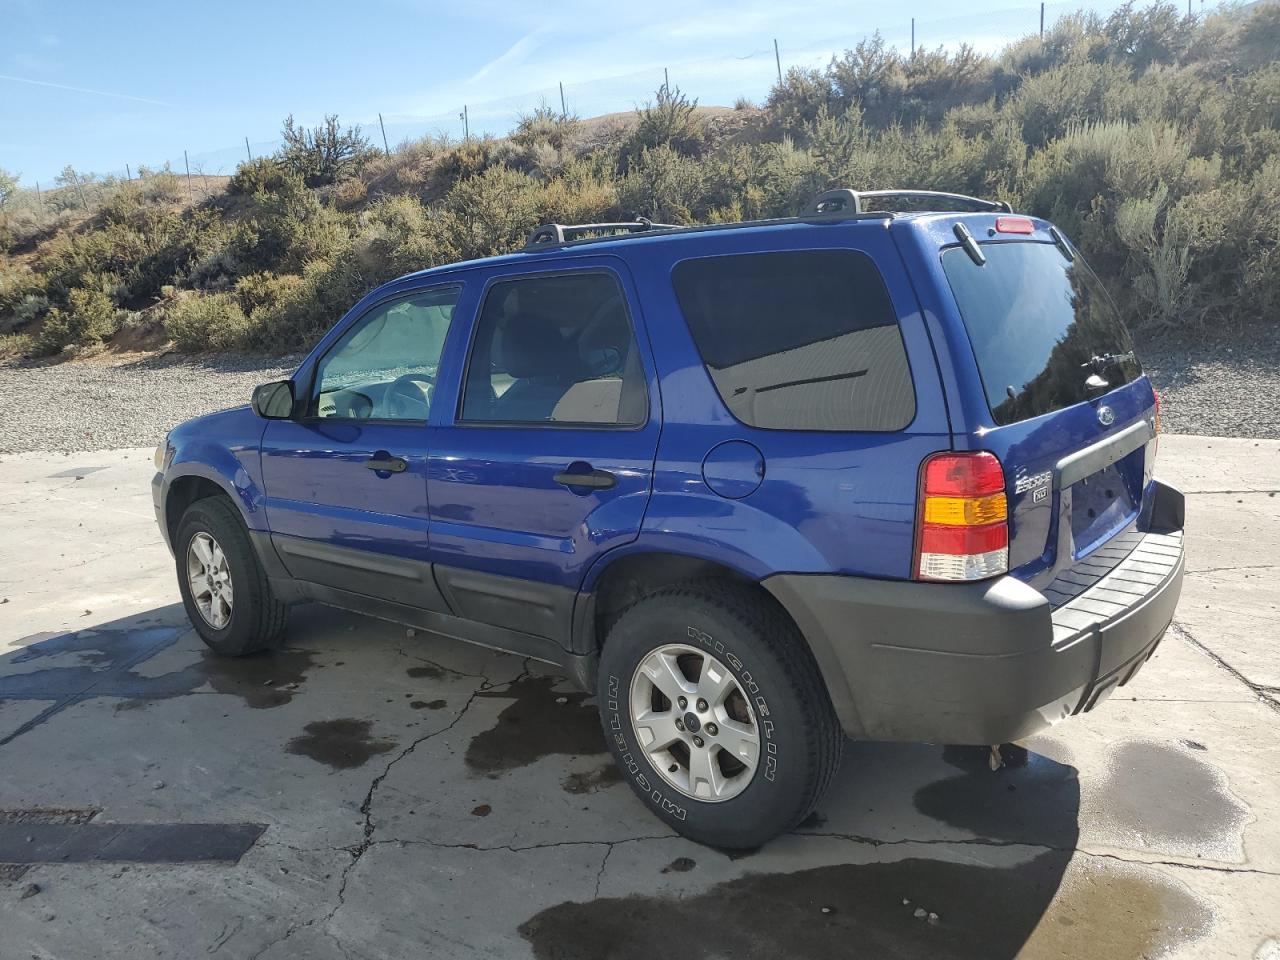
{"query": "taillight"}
(964, 518)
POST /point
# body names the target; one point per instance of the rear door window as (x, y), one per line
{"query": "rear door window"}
(803, 340)
(1040, 326)
(556, 349)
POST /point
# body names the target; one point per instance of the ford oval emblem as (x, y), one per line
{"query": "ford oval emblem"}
(1106, 416)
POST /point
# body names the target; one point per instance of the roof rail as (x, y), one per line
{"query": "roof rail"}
(846, 202)
(554, 234)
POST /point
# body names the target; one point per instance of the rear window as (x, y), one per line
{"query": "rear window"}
(802, 340)
(1040, 326)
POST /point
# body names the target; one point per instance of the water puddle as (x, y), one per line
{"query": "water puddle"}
(539, 722)
(981, 912)
(341, 744)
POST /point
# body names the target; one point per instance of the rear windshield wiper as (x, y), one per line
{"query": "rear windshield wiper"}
(1102, 362)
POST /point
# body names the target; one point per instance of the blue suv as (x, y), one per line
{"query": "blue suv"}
(882, 470)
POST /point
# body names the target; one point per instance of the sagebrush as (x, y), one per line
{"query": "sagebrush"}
(1151, 137)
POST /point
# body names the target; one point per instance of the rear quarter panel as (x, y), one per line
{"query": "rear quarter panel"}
(836, 502)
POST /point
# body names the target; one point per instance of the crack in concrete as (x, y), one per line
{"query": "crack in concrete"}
(358, 850)
(513, 848)
(1196, 493)
(1263, 693)
(1246, 566)
(600, 873)
(439, 666)
(990, 842)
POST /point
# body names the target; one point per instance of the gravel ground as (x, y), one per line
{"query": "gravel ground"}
(104, 404)
(1221, 390)
(101, 403)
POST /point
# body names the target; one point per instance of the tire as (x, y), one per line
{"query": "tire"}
(725, 627)
(256, 619)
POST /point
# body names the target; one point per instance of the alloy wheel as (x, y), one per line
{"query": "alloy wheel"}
(210, 580)
(694, 722)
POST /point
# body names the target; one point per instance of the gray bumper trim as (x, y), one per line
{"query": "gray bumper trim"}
(986, 662)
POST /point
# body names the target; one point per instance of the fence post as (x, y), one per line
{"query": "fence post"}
(128, 174)
(466, 125)
(247, 150)
(777, 57)
(666, 80)
(40, 196)
(564, 111)
(382, 126)
(913, 38)
(186, 163)
(1042, 20)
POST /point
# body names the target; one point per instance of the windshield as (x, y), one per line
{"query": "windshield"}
(1041, 327)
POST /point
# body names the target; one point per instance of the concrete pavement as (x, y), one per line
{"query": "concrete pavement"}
(367, 792)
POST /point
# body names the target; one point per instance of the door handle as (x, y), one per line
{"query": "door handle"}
(384, 462)
(593, 480)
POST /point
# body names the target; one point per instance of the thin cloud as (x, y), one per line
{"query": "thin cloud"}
(96, 93)
(517, 53)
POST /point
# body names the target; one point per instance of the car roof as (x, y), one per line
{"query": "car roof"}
(936, 224)
(609, 245)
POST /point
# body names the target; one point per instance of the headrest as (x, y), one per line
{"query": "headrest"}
(532, 347)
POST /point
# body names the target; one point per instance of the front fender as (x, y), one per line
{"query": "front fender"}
(227, 469)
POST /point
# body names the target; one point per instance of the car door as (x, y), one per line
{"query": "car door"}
(345, 482)
(548, 461)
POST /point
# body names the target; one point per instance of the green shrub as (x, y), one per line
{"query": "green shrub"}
(14, 345)
(491, 213)
(212, 321)
(89, 317)
(324, 154)
(261, 175)
(669, 120)
(664, 186)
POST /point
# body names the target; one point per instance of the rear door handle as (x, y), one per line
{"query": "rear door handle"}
(594, 480)
(384, 462)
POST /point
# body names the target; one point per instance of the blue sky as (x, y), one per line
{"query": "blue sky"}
(98, 85)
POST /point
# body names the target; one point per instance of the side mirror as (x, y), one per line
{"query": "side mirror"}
(273, 401)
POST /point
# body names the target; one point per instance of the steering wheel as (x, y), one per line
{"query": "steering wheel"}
(409, 396)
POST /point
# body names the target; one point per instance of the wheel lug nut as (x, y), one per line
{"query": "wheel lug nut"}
(697, 741)
(683, 702)
(712, 729)
(702, 705)
(680, 725)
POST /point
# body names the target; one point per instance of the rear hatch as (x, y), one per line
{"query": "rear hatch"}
(1071, 413)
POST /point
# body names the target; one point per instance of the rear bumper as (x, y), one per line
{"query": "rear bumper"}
(993, 661)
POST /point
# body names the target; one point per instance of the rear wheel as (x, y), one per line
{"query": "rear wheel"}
(715, 710)
(224, 588)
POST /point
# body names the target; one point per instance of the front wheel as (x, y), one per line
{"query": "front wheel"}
(713, 707)
(223, 586)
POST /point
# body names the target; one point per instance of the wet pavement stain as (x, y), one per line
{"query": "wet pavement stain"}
(592, 781)
(342, 744)
(812, 822)
(984, 912)
(539, 722)
(429, 704)
(1162, 798)
(680, 865)
(262, 681)
(431, 671)
(105, 660)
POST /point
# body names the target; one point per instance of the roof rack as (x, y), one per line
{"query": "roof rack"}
(845, 202)
(553, 234)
